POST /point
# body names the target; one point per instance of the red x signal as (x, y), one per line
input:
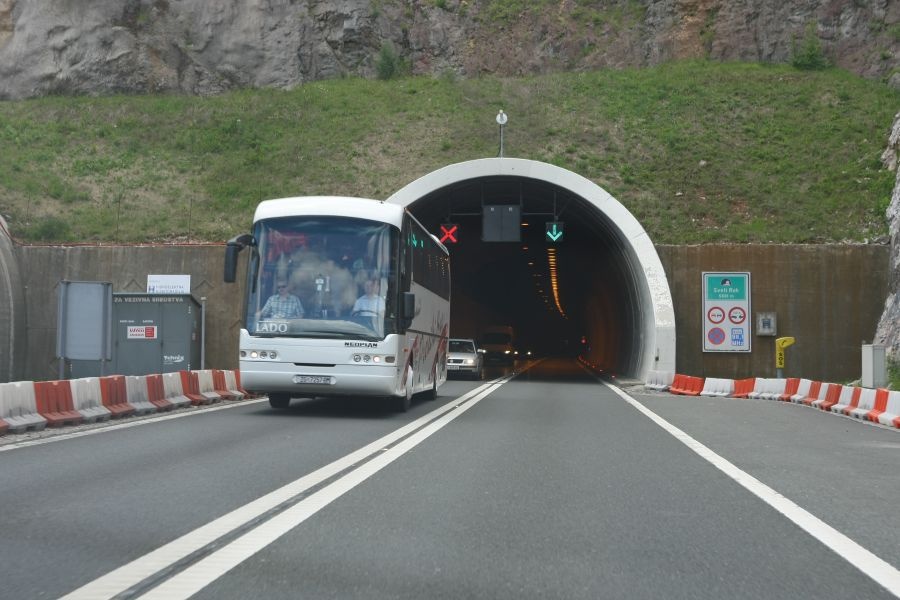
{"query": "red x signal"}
(448, 233)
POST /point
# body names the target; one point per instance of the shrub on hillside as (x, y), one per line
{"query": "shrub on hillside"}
(807, 54)
(389, 63)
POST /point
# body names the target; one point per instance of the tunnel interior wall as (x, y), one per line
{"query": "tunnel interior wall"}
(828, 297)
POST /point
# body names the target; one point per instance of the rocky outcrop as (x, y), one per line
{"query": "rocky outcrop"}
(888, 332)
(138, 46)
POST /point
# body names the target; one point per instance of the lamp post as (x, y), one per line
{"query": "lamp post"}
(501, 121)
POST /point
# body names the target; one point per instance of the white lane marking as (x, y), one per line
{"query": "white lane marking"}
(879, 570)
(125, 425)
(193, 579)
(119, 580)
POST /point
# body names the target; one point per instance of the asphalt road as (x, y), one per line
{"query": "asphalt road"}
(546, 485)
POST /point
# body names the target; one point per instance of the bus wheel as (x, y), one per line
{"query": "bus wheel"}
(432, 393)
(279, 400)
(405, 401)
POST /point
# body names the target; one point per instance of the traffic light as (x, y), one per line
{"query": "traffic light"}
(449, 232)
(553, 231)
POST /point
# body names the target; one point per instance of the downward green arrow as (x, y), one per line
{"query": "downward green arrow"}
(555, 234)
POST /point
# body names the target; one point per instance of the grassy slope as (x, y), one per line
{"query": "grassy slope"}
(698, 151)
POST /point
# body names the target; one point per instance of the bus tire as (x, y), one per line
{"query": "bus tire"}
(405, 401)
(432, 393)
(279, 400)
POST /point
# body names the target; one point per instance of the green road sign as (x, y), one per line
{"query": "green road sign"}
(554, 231)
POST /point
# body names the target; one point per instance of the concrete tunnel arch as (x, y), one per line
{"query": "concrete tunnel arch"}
(650, 341)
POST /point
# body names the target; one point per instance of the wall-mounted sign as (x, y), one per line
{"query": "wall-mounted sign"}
(726, 306)
(168, 284)
(142, 332)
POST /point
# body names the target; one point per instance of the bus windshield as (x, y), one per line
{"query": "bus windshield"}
(323, 277)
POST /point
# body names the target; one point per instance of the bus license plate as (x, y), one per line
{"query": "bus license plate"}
(316, 379)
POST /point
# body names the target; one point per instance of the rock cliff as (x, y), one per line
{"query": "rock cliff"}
(888, 332)
(139, 46)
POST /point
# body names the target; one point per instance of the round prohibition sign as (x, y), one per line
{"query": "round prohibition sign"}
(737, 315)
(716, 335)
(715, 315)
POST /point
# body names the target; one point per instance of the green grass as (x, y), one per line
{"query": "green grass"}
(698, 151)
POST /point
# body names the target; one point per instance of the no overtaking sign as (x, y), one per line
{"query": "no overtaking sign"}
(726, 305)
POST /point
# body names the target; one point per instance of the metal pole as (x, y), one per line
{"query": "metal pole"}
(501, 121)
(61, 322)
(202, 332)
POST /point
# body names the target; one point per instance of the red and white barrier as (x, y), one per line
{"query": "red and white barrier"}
(717, 387)
(659, 380)
(793, 384)
(767, 388)
(220, 383)
(113, 396)
(686, 385)
(137, 393)
(849, 400)
(205, 385)
(881, 398)
(802, 392)
(174, 391)
(88, 399)
(18, 408)
(54, 403)
(891, 414)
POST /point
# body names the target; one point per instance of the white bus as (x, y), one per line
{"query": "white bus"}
(345, 297)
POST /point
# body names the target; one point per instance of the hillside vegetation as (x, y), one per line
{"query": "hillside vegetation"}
(698, 151)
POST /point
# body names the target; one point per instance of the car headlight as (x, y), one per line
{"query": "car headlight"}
(470, 361)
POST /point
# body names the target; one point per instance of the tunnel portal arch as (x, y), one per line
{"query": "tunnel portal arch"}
(650, 343)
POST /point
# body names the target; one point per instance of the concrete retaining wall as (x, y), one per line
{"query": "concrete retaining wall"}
(829, 297)
(12, 312)
(127, 267)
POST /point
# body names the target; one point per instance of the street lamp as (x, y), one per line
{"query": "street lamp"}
(501, 121)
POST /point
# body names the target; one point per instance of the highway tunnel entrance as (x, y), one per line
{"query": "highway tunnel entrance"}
(583, 277)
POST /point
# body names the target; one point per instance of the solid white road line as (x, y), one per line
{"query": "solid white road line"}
(133, 573)
(871, 565)
(198, 576)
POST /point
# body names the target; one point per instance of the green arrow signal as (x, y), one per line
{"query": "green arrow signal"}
(554, 231)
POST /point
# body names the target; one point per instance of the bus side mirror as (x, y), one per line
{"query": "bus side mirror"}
(407, 309)
(232, 249)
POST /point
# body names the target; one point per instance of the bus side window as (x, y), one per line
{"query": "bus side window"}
(406, 256)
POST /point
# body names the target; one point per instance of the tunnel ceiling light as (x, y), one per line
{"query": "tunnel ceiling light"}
(554, 282)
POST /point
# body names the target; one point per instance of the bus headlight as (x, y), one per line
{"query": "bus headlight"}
(372, 358)
(259, 354)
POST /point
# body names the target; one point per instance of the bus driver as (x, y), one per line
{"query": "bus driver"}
(283, 305)
(371, 304)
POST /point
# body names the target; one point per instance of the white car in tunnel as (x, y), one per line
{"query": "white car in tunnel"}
(465, 358)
